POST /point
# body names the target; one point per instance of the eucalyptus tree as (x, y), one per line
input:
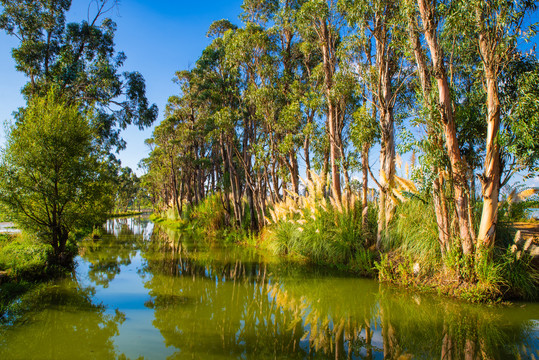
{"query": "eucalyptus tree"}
(498, 25)
(381, 22)
(161, 163)
(364, 128)
(434, 139)
(434, 68)
(80, 59)
(219, 94)
(287, 83)
(321, 22)
(364, 133)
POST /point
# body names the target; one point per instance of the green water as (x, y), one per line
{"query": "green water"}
(143, 291)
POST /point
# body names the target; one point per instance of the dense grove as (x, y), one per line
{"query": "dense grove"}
(275, 124)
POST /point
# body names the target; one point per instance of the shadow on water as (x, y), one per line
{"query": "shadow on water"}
(193, 298)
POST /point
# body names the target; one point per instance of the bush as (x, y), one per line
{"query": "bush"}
(25, 257)
(320, 229)
(521, 279)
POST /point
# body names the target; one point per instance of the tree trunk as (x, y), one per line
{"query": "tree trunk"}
(458, 167)
(385, 100)
(333, 133)
(440, 203)
(490, 180)
(175, 186)
(365, 189)
(387, 174)
(440, 208)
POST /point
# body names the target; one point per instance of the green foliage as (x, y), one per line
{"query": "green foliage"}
(128, 190)
(25, 257)
(520, 277)
(80, 58)
(364, 262)
(323, 233)
(53, 179)
(414, 233)
(209, 215)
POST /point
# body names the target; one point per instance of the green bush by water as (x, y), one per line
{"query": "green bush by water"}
(323, 233)
(208, 218)
(25, 257)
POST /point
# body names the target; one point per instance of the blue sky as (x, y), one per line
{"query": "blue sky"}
(158, 37)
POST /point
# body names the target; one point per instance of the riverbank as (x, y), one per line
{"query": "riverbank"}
(332, 236)
(130, 213)
(27, 262)
(24, 263)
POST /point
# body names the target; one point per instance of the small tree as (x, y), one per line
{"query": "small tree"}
(51, 175)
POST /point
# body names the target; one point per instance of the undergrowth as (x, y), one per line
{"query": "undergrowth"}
(412, 258)
(322, 230)
(316, 228)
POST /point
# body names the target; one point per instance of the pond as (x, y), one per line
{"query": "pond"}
(143, 291)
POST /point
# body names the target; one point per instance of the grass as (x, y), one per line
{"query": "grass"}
(412, 258)
(321, 230)
(25, 261)
(414, 234)
(207, 219)
(317, 229)
(126, 213)
(25, 257)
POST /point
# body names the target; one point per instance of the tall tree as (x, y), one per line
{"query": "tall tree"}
(323, 19)
(430, 22)
(498, 25)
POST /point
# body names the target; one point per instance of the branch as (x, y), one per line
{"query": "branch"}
(372, 176)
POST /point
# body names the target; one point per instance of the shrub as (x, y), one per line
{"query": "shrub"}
(25, 257)
(521, 279)
(318, 228)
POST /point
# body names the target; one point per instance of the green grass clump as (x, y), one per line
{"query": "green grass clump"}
(321, 232)
(25, 257)
(521, 279)
(414, 233)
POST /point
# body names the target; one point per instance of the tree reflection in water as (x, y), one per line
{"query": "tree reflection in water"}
(213, 303)
(106, 255)
(203, 301)
(59, 321)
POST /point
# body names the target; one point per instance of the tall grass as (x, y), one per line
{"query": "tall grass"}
(319, 228)
(414, 233)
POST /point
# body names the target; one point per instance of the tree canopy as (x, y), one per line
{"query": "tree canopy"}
(52, 175)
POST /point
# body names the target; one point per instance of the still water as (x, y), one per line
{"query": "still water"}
(147, 292)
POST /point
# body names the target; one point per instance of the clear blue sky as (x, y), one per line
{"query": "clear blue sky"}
(158, 37)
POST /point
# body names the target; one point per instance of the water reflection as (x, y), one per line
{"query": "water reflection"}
(107, 254)
(211, 302)
(59, 321)
(181, 297)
